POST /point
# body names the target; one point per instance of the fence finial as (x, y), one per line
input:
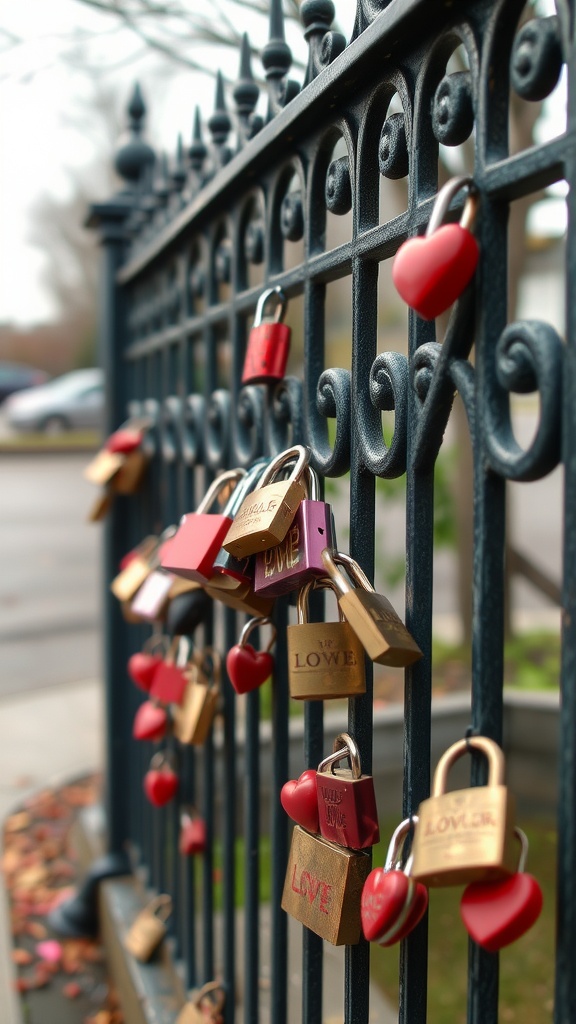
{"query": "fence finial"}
(246, 93)
(133, 155)
(197, 151)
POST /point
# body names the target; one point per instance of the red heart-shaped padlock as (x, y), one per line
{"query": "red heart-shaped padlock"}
(168, 683)
(418, 907)
(247, 667)
(430, 273)
(383, 898)
(150, 722)
(160, 785)
(299, 798)
(142, 668)
(192, 836)
(124, 440)
(497, 913)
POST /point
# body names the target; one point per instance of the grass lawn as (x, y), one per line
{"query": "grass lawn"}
(68, 439)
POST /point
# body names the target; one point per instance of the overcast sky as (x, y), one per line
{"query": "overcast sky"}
(41, 141)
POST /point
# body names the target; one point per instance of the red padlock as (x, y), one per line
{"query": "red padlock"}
(192, 839)
(150, 722)
(346, 799)
(268, 343)
(171, 679)
(246, 667)
(495, 914)
(430, 273)
(143, 664)
(392, 902)
(298, 558)
(191, 551)
(160, 781)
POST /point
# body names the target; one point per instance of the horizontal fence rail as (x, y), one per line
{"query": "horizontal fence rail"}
(315, 196)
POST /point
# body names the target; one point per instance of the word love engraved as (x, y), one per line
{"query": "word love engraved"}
(304, 883)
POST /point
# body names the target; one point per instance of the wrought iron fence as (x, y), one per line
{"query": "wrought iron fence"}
(188, 245)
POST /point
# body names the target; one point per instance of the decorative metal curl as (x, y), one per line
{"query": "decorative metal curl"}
(151, 409)
(191, 425)
(536, 60)
(217, 429)
(317, 16)
(254, 242)
(333, 401)
(285, 415)
(249, 426)
(223, 261)
(452, 110)
(529, 356)
(170, 415)
(387, 391)
(338, 189)
(393, 159)
(292, 217)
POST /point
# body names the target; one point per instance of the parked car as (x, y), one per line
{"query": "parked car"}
(75, 400)
(17, 376)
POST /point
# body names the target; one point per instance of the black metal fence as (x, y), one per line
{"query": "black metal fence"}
(188, 246)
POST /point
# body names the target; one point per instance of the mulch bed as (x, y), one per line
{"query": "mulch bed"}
(60, 981)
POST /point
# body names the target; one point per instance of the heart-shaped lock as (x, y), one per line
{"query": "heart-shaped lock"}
(192, 839)
(392, 902)
(246, 667)
(170, 679)
(495, 914)
(142, 667)
(150, 722)
(299, 799)
(160, 781)
(430, 273)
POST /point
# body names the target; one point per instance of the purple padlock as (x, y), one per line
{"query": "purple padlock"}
(287, 566)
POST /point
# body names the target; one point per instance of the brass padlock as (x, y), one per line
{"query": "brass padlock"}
(130, 474)
(125, 585)
(205, 1006)
(323, 887)
(103, 467)
(325, 659)
(237, 595)
(372, 617)
(266, 514)
(148, 929)
(468, 834)
(194, 717)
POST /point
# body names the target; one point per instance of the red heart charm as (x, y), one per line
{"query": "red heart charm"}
(192, 836)
(168, 684)
(415, 914)
(430, 273)
(299, 798)
(125, 440)
(248, 668)
(497, 913)
(142, 668)
(383, 898)
(160, 785)
(149, 722)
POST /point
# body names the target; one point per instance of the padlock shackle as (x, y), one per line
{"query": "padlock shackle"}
(246, 484)
(523, 840)
(208, 989)
(160, 759)
(157, 640)
(319, 583)
(188, 813)
(312, 484)
(482, 743)
(298, 453)
(445, 197)
(217, 485)
(344, 746)
(209, 665)
(255, 623)
(160, 907)
(280, 309)
(393, 855)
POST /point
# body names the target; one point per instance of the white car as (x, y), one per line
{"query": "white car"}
(73, 401)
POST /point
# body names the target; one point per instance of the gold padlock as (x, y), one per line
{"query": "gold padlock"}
(205, 1007)
(325, 659)
(323, 887)
(194, 717)
(130, 474)
(125, 585)
(237, 595)
(466, 835)
(103, 467)
(148, 929)
(265, 515)
(372, 617)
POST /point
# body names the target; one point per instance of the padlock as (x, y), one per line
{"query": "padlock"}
(240, 569)
(288, 565)
(205, 1006)
(148, 929)
(193, 719)
(268, 343)
(101, 507)
(170, 679)
(150, 721)
(266, 514)
(143, 664)
(373, 619)
(241, 598)
(392, 902)
(466, 835)
(323, 887)
(191, 551)
(246, 667)
(346, 800)
(141, 563)
(300, 800)
(103, 466)
(325, 659)
(150, 602)
(161, 780)
(186, 611)
(430, 273)
(130, 476)
(497, 913)
(193, 833)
